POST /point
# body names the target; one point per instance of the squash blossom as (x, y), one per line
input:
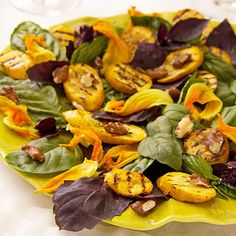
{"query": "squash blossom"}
(202, 102)
(117, 51)
(139, 101)
(119, 156)
(227, 130)
(86, 169)
(17, 119)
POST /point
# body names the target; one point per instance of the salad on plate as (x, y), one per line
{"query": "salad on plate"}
(129, 119)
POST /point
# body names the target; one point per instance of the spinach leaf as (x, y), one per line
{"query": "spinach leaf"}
(187, 85)
(152, 22)
(57, 158)
(139, 165)
(195, 164)
(224, 190)
(87, 52)
(27, 28)
(161, 144)
(41, 101)
(175, 112)
(226, 74)
(111, 92)
(229, 115)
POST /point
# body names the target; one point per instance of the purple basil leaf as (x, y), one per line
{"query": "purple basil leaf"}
(134, 118)
(70, 48)
(42, 72)
(162, 33)
(85, 202)
(172, 46)
(176, 84)
(186, 30)
(223, 37)
(148, 56)
(47, 126)
(83, 33)
(226, 173)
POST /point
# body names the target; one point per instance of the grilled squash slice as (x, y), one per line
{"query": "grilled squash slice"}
(84, 87)
(181, 63)
(209, 144)
(220, 53)
(15, 63)
(126, 79)
(107, 132)
(211, 79)
(178, 186)
(63, 34)
(128, 183)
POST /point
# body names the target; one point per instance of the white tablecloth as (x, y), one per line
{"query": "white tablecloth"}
(23, 213)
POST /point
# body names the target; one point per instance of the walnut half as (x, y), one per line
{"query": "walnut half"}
(143, 207)
(34, 152)
(185, 127)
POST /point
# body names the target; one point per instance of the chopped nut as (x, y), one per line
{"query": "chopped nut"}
(10, 93)
(174, 93)
(60, 74)
(185, 127)
(98, 63)
(157, 73)
(143, 207)
(34, 152)
(214, 141)
(115, 128)
(197, 179)
(77, 105)
(181, 60)
(87, 80)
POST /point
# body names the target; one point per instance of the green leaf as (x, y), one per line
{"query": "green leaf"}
(175, 112)
(219, 193)
(30, 28)
(139, 165)
(226, 74)
(41, 101)
(151, 22)
(229, 115)
(57, 158)
(86, 53)
(111, 92)
(195, 164)
(162, 145)
(187, 85)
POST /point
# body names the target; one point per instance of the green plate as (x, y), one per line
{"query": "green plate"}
(217, 211)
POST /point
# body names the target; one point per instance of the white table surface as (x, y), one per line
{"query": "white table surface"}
(23, 213)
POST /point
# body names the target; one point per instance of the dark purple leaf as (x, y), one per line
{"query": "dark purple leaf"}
(187, 30)
(83, 33)
(47, 126)
(134, 118)
(148, 56)
(223, 37)
(156, 193)
(226, 173)
(42, 72)
(176, 84)
(70, 48)
(172, 46)
(232, 164)
(85, 202)
(162, 33)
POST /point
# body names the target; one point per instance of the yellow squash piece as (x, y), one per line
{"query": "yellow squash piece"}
(128, 183)
(126, 79)
(175, 73)
(220, 53)
(83, 120)
(135, 35)
(209, 103)
(84, 87)
(178, 186)
(63, 34)
(87, 169)
(15, 63)
(211, 79)
(139, 101)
